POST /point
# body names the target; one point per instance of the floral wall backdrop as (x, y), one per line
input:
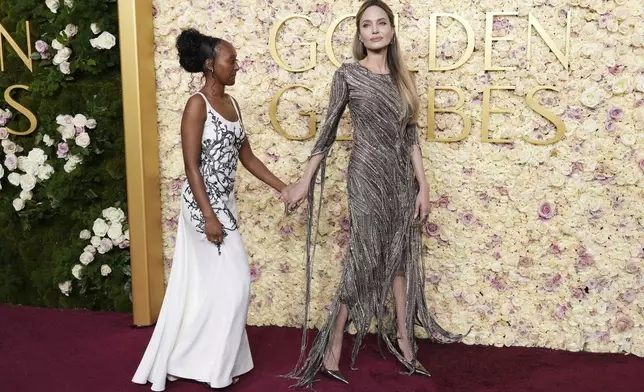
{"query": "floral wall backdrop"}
(64, 239)
(532, 245)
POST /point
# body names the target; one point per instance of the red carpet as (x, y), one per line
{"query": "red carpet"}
(78, 351)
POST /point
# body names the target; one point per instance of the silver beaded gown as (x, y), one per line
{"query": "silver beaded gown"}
(384, 238)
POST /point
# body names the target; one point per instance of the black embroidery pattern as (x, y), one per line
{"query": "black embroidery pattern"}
(219, 156)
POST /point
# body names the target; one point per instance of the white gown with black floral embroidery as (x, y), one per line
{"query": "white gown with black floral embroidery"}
(201, 330)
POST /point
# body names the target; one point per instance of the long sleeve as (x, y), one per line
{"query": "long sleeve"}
(412, 134)
(337, 103)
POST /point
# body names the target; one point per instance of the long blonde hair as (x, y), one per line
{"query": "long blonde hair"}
(397, 67)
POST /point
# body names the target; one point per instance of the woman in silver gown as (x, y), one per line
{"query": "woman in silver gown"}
(388, 203)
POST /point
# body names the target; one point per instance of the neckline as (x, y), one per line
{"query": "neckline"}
(372, 72)
(219, 114)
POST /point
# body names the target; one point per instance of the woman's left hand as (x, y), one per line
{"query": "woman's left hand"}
(422, 205)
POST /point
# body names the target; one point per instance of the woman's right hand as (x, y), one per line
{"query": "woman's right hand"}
(214, 230)
(294, 194)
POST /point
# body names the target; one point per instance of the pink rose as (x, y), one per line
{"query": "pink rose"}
(41, 46)
(254, 272)
(432, 229)
(547, 210)
(468, 219)
(63, 149)
(641, 164)
(286, 229)
(624, 323)
(344, 223)
(615, 113)
(443, 201)
(525, 261)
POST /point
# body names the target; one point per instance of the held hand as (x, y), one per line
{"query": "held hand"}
(422, 205)
(293, 196)
(214, 230)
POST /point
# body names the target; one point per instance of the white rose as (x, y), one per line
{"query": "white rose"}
(65, 287)
(90, 249)
(621, 85)
(71, 30)
(14, 179)
(114, 215)
(27, 166)
(48, 141)
(640, 83)
(52, 5)
(26, 195)
(95, 241)
(56, 45)
(4, 134)
(65, 120)
(85, 235)
(105, 246)
(591, 97)
(71, 164)
(86, 258)
(80, 120)
(105, 270)
(62, 56)
(77, 270)
(91, 124)
(67, 132)
(37, 156)
(27, 182)
(100, 228)
(115, 231)
(95, 28)
(629, 139)
(64, 67)
(103, 41)
(118, 241)
(82, 140)
(9, 147)
(45, 172)
(18, 204)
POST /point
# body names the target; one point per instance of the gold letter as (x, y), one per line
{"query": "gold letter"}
(467, 123)
(489, 21)
(21, 109)
(273, 115)
(532, 103)
(532, 21)
(26, 58)
(328, 42)
(432, 42)
(487, 111)
(272, 46)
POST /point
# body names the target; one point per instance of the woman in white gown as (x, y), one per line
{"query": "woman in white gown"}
(200, 334)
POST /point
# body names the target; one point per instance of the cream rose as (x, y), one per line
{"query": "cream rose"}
(77, 271)
(591, 97)
(82, 140)
(95, 241)
(105, 270)
(85, 235)
(86, 258)
(115, 231)
(18, 204)
(65, 287)
(103, 41)
(100, 227)
(28, 182)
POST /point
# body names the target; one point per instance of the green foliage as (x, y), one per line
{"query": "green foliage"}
(40, 244)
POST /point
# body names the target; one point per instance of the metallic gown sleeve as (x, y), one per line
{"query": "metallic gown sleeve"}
(337, 104)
